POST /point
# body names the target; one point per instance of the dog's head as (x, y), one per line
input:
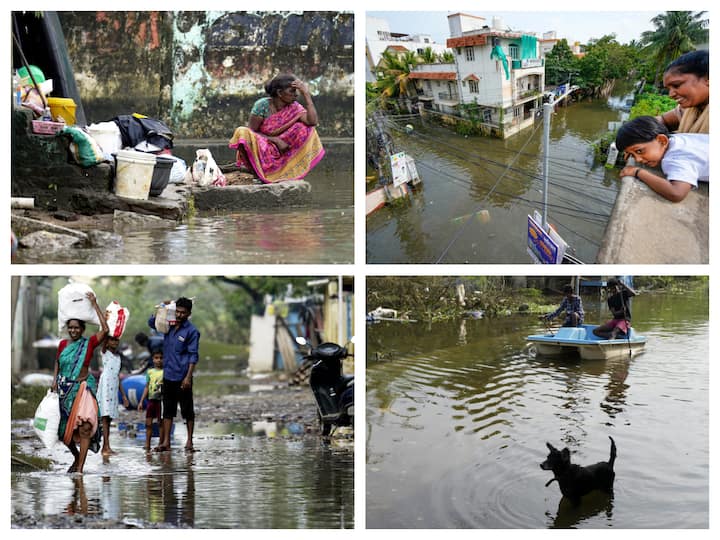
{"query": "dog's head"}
(556, 460)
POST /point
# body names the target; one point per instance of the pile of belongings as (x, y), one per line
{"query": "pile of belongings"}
(143, 133)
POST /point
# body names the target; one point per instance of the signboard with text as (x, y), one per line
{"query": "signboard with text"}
(541, 246)
(399, 167)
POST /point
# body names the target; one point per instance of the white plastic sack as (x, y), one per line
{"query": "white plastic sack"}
(116, 317)
(73, 303)
(47, 419)
(205, 171)
(164, 317)
(178, 171)
(107, 135)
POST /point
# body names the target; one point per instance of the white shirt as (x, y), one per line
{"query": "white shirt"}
(687, 158)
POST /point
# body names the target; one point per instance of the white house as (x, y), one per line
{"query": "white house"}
(498, 70)
(379, 38)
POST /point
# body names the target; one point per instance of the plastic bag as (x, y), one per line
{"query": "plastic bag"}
(84, 149)
(47, 419)
(73, 303)
(205, 171)
(178, 171)
(107, 135)
(116, 317)
(165, 317)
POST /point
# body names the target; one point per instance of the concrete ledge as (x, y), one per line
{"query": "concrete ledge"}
(22, 225)
(645, 228)
(172, 204)
(280, 195)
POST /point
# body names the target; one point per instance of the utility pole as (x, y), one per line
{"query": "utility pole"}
(547, 112)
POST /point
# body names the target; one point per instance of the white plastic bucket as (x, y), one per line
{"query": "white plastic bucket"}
(134, 174)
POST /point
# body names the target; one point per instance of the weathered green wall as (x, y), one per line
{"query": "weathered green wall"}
(200, 72)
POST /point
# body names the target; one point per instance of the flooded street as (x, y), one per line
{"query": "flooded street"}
(458, 415)
(469, 178)
(321, 233)
(259, 463)
(232, 481)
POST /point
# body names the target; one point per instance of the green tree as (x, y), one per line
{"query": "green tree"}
(447, 57)
(428, 56)
(605, 60)
(676, 32)
(560, 62)
(393, 74)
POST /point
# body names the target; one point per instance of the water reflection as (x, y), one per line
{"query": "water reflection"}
(232, 482)
(458, 415)
(503, 180)
(569, 515)
(300, 236)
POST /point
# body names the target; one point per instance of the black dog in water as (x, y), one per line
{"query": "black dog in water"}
(576, 481)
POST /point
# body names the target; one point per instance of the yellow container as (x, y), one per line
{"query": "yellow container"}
(64, 108)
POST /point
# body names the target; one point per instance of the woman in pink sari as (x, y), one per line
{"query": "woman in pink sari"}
(280, 142)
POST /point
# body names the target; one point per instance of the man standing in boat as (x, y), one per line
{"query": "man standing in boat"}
(619, 296)
(572, 305)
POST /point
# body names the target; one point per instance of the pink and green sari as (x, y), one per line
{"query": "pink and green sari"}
(271, 165)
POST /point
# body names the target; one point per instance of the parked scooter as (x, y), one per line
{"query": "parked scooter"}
(334, 392)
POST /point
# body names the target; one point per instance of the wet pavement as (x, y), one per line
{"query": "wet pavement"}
(259, 463)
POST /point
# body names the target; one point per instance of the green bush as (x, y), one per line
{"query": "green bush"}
(652, 105)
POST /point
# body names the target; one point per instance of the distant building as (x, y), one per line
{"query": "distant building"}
(379, 38)
(548, 41)
(500, 71)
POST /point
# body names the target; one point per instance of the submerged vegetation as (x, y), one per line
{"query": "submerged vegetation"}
(435, 298)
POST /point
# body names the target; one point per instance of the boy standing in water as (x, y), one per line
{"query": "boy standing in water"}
(153, 393)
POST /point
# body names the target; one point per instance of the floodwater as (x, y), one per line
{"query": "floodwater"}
(321, 233)
(235, 480)
(458, 415)
(477, 192)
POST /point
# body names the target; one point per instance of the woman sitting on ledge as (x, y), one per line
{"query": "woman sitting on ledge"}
(280, 141)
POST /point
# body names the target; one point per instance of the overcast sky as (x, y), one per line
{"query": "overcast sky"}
(574, 26)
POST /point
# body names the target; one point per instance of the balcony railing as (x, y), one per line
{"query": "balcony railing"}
(447, 96)
(529, 63)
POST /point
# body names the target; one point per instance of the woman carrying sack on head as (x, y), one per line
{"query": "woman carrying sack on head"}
(76, 387)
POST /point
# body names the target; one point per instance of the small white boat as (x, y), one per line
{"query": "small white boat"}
(581, 340)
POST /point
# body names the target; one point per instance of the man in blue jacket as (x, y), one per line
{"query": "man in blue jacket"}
(180, 356)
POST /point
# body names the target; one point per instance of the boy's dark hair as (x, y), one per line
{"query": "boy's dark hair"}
(695, 62)
(157, 351)
(612, 282)
(567, 289)
(279, 82)
(184, 303)
(639, 130)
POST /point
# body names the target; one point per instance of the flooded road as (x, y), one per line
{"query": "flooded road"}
(321, 233)
(458, 415)
(478, 191)
(234, 480)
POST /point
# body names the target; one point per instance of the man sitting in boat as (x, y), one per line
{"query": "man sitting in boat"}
(572, 305)
(618, 301)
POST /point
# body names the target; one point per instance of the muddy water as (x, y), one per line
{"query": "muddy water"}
(320, 233)
(458, 415)
(235, 480)
(477, 192)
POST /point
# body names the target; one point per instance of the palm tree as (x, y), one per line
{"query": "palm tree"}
(447, 57)
(393, 74)
(676, 32)
(428, 56)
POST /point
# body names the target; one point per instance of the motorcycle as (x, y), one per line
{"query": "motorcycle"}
(334, 391)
